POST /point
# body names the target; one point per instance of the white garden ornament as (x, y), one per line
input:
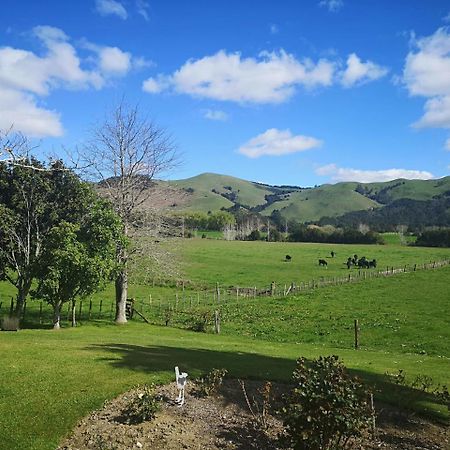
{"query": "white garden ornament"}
(181, 379)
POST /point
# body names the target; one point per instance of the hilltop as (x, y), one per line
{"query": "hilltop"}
(212, 192)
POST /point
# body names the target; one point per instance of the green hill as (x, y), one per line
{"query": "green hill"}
(212, 192)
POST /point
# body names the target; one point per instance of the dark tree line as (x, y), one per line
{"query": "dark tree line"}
(415, 214)
(434, 238)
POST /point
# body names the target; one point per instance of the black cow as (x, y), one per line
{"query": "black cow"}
(288, 257)
(373, 263)
(322, 262)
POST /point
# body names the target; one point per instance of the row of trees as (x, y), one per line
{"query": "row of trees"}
(58, 239)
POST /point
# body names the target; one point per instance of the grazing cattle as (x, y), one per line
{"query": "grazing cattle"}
(373, 263)
(322, 262)
(363, 264)
(332, 254)
(349, 263)
(288, 257)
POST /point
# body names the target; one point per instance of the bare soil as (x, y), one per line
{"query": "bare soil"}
(224, 421)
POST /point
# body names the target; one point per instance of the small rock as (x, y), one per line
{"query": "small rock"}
(138, 444)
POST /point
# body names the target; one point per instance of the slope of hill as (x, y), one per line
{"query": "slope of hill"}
(212, 192)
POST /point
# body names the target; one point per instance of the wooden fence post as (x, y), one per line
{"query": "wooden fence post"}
(218, 292)
(100, 310)
(356, 334)
(217, 322)
(40, 313)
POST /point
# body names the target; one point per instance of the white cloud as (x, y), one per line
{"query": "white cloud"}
(427, 74)
(446, 18)
(358, 72)
(275, 142)
(215, 114)
(20, 110)
(274, 29)
(371, 176)
(114, 61)
(270, 78)
(111, 7)
(142, 8)
(332, 5)
(437, 113)
(26, 76)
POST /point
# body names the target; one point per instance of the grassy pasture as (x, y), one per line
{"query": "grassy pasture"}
(237, 263)
(48, 380)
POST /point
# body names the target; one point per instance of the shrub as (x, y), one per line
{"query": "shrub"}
(211, 382)
(10, 324)
(326, 407)
(143, 406)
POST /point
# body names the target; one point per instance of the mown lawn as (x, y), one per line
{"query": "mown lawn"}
(48, 380)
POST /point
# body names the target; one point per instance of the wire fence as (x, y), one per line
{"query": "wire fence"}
(194, 306)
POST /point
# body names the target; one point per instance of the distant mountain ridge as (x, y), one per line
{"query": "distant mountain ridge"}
(213, 192)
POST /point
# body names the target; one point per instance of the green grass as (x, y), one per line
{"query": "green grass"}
(48, 380)
(397, 239)
(326, 200)
(304, 204)
(203, 199)
(51, 379)
(246, 264)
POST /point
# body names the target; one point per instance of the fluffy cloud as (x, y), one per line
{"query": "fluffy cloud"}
(370, 176)
(358, 72)
(270, 78)
(332, 5)
(275, 142)
(114, 61)
(20, 110)
(25, 76)
(214, 114)
(111, 7)
(427, 74)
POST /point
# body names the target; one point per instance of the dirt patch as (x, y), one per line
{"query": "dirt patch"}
(223, 421)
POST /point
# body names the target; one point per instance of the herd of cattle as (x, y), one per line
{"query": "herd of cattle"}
(360, 263)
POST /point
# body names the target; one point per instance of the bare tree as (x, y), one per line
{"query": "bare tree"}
(125, 155)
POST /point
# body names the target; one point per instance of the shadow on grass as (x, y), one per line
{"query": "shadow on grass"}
(254, 366)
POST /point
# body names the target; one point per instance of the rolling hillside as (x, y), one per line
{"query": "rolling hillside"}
(212, 192)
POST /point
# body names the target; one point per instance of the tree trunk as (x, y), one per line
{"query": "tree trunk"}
(121, 296)
(23, 288)
(57, 315)
(73, 315)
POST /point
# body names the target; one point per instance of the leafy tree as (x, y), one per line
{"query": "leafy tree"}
(34, 198)
(77, 259)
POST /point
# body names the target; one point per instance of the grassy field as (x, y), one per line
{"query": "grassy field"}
(48, 380)
(238, 263)
(51, 379)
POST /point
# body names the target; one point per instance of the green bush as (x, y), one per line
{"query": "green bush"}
(143, 406)
(326, 407)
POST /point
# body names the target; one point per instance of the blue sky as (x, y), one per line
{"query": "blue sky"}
(297, 92)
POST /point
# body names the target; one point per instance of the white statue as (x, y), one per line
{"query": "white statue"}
(181, 379)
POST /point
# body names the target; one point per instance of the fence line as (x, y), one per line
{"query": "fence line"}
(187, 302)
